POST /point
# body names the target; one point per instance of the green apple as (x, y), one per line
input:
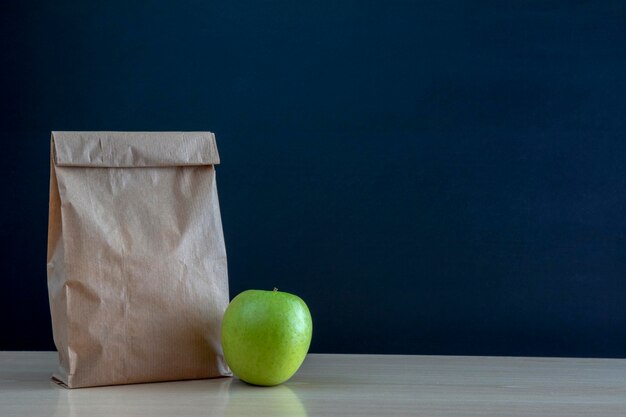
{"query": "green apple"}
(266, 336)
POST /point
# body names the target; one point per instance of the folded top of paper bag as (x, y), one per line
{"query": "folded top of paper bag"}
(134, 149)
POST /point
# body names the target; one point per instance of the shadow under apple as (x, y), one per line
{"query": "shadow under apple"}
(276, 401)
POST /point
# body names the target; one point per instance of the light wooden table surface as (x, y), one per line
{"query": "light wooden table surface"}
(339, 385)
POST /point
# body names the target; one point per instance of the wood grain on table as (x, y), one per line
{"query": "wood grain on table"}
(339, 385)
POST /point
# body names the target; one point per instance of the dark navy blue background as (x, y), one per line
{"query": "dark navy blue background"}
(444, 177)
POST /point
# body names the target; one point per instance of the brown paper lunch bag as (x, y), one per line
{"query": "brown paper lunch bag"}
(137, 274)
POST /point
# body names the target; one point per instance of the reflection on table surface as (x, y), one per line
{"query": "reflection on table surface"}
(217, 397)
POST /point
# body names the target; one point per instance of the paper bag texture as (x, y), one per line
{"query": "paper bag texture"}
(137, 273)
